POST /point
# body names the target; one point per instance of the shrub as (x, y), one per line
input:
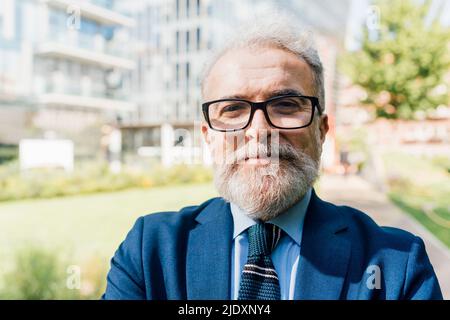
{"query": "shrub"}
(92, 178)
(442, 162)
(8, 152)
(36, 275)
(41, 274)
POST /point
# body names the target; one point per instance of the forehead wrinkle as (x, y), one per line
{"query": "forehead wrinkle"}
(260, 85)
(255, 90)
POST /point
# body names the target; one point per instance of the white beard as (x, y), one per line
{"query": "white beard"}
(266, 191)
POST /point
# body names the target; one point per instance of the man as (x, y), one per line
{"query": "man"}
(268, 236)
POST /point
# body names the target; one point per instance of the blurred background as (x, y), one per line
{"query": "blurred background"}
(100, 110)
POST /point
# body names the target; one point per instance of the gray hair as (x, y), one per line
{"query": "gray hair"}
(280, 31)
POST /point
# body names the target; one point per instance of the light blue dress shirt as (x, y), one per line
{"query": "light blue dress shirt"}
(286, 255)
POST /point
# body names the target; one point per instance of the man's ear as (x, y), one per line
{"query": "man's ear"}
(205, 132)
(323, 127)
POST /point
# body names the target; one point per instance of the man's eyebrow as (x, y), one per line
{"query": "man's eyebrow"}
(284, 92)
(272, 94)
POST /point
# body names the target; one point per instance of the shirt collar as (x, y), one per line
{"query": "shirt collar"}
(290, 221)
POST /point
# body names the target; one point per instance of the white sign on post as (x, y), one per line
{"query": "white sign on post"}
(41, 153)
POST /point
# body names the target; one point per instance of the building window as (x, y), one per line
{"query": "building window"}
(198, 7)
(107, 33)
(177, 75)
(209, 10)
(187, 8)
(177, 42)
(108, 4)
(198, 38)
(57, 22)
(187, 41)
(188, 71)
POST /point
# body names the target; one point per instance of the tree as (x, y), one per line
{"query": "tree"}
(402, 64)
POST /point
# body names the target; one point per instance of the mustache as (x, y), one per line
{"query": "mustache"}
(282, 151)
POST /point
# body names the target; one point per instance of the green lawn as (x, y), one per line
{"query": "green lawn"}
(421, 187)
(86, 229)
(82, 227)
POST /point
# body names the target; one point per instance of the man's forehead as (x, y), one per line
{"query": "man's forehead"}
(253, 59)
(245, 71)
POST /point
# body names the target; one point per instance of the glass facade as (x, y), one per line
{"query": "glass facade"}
(60, 70)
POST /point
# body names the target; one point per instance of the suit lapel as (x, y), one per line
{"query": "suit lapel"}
(324, 254)
(208, 264)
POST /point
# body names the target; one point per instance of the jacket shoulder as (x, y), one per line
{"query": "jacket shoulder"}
(364, 227)
(183, 218)
(401, 255)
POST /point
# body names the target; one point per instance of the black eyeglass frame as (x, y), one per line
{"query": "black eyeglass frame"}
(262, 106)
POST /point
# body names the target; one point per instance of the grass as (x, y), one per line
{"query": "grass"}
(421, 187)
(440, 232)
(87, 229)
(87, 226)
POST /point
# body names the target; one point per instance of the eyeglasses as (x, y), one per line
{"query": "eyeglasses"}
(282, 112)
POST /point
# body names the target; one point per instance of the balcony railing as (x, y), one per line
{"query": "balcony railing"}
(94, 12)
(76, 101)
(96, 43)
(101, 59)
(74, 89)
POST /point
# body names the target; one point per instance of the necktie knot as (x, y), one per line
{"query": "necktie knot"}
(263, 238)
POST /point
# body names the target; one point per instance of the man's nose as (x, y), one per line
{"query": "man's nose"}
(258, 125)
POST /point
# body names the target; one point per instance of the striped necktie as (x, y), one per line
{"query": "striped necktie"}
(259, 280)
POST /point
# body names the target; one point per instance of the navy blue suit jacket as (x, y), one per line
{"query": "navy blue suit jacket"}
(187, 254)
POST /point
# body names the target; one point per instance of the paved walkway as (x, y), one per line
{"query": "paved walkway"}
(356, 192)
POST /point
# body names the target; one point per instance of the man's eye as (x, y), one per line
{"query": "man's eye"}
(286, 107)
(233, 108)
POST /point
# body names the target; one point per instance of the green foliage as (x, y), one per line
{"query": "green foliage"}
(41, 274)
(8, 153)
(91, 178)
(402, 65)
(94, 274)
(36, 275)
(442, 162)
